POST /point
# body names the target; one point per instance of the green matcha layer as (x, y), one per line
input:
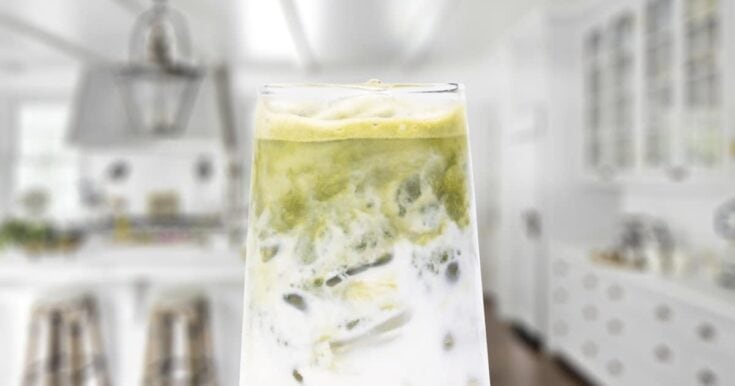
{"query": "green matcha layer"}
(294, 179)
(377, 168)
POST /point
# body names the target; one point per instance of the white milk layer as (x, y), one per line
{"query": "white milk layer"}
(410, 317)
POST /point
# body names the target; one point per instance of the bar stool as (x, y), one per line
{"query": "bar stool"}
(65, 345)
(179, 345)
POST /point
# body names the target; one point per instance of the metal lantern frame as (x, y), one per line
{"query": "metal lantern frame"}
(160, 83)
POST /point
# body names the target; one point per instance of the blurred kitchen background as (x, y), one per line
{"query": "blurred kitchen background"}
(603, 139)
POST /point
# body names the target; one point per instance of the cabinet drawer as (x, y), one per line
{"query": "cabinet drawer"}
(625, 329)
(707, 332)
(705, 371)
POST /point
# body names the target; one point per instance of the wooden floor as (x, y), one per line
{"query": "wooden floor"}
(513, 362)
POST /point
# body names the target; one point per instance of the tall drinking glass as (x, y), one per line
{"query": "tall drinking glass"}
(362, 264)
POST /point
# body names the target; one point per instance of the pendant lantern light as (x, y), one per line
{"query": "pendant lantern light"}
(161, 81)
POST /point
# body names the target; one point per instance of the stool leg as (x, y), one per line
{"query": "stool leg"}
(99, 359)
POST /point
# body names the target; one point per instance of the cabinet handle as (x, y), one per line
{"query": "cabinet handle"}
(662, 353)
(663, 313)
(615, 292)
(706, 332)
(589, 349)
(590, 281)
(589, 312)
(615, 327)
(615, 367)
(560, 295)
(533, 224)
(561, 268)
(707, 377)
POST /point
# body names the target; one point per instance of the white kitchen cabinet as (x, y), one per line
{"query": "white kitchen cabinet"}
(603, 92)
(702, 90)
(626, 328)
(656, 91)
(611, 61)
(657, 132)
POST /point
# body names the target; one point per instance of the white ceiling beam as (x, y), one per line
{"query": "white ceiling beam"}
(425, 32)
(304, 52)
(50, 39)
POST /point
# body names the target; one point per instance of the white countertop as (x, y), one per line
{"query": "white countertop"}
(694, 290)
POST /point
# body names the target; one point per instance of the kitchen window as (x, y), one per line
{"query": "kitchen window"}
(47, 167)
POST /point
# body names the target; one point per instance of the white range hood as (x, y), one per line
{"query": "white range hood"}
(100, 118)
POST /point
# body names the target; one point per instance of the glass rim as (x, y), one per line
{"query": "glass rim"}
(273, 89)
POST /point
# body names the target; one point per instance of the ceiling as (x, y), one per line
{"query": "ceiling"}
(41, 32)
(309, 33)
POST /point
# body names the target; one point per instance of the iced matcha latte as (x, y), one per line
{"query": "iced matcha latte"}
(362, 267)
